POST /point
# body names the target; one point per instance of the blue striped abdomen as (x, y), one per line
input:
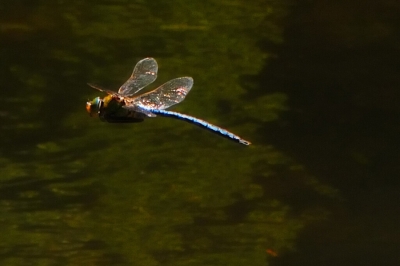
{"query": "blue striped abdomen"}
(196, 121)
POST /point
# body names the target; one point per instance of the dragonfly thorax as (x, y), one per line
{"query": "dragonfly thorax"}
(94, 106)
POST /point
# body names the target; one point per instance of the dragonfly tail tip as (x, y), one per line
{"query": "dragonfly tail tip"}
(245, 142)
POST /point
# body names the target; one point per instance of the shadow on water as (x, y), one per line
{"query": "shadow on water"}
(337, 68)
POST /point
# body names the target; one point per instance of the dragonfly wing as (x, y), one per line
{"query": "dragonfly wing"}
(144, 73)
(97, 87)
(168, 94)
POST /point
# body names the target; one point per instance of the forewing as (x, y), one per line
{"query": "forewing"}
(168, 94)
(97, 87)
(144, 73)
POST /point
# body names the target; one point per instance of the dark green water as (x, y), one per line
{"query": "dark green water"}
(312, 85)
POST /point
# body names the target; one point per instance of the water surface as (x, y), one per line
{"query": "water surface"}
(76, 191)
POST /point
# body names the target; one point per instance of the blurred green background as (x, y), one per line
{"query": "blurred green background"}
(312, 84)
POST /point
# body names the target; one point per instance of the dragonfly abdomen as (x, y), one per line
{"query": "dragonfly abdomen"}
(198, 122)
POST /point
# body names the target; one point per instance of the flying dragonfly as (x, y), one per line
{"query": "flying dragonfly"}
(124, 107)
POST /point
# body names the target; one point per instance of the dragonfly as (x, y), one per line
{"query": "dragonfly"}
(125, 106)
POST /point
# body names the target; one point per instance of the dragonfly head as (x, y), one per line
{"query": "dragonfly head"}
(93, 107)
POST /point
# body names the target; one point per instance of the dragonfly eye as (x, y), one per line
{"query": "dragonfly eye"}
(94, 106)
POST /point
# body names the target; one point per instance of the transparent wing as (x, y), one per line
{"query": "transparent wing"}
(97, 87)
(144, 73)
(168, 94)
